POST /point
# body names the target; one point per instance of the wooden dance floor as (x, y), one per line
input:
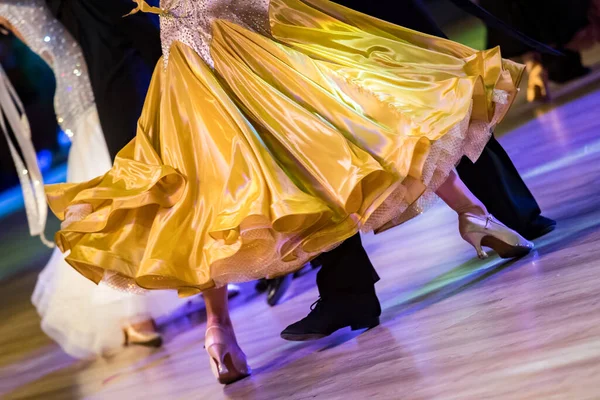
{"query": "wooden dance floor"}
(453, 327)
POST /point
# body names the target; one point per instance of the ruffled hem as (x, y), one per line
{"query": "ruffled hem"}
(278, 157)
(258, 251)
(469, 136)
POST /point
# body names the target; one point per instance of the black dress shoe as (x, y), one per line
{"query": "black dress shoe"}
(538, 228)
(277, 288)
(327, 316)
(317, 262)
(262, 285)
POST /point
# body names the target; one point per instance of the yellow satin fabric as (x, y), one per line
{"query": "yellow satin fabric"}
(328, 31)
(288, 148)
(147, 8)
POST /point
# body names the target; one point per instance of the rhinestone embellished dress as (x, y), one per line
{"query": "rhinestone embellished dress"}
(84, 319)
(272, 131)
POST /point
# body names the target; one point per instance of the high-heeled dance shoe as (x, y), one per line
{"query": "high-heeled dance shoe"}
(141, 337)
(227, 360)
(537, 86)
(487, 231)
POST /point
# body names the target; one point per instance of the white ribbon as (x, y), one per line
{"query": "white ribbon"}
(32, 183)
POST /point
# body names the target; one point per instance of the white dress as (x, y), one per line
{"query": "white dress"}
(84, 319)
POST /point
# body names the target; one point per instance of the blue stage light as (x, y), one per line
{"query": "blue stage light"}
(11, 200)
(44, 159)
(64, 141)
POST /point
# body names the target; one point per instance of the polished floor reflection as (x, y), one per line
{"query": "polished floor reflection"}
(453, 327)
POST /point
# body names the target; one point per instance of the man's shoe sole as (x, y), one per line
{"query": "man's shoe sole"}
(304, 337)
(366, 324)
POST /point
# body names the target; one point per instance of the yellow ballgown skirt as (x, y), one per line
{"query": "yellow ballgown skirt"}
(337, 122)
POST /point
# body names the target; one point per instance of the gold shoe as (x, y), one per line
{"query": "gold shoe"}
(227, 360)
(140, 337)
(489, 232)
(537, 85)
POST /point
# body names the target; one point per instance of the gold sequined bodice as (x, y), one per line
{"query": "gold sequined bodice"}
(190, 21)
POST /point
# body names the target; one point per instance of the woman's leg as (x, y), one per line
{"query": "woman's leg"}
(227, 359)
(217, 307)
(458, 197)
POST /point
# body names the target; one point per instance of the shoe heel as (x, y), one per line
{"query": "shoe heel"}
(475, 239)
(217, 354)
(226, 364)
(223, 366)
(366, 324)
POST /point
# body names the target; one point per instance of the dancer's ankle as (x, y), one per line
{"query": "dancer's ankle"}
(218, 320)
(475, 209)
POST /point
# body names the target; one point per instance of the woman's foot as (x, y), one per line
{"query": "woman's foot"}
(227, 360)
(142, 334)
(486, 231)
